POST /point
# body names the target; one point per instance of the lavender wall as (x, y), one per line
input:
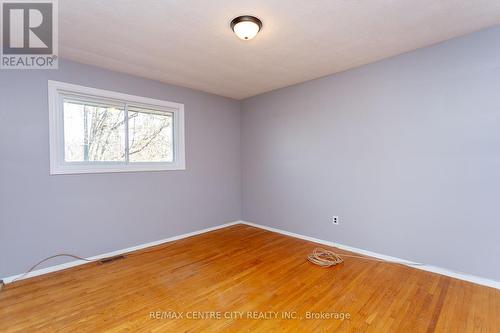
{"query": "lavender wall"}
(96, 213)
(406, 151)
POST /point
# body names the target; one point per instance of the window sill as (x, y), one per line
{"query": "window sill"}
(139, 167)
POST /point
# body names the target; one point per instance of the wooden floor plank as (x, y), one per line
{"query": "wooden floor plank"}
(244, 273)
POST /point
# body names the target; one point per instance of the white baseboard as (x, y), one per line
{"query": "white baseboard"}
(429, 268)
(70, 264)
(438, 270)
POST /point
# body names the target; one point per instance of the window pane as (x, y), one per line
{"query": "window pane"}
(93, 132)
(150, 136)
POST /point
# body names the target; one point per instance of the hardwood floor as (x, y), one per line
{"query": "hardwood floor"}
(245, 273)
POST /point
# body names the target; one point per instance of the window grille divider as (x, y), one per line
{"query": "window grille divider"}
(126, 135)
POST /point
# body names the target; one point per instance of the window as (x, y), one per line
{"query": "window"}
(94, 130)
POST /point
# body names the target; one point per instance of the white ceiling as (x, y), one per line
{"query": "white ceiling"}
(189, 42)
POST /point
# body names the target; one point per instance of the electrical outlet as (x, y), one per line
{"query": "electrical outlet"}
(335, 220)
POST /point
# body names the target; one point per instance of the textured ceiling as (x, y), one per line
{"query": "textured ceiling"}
(189, 42)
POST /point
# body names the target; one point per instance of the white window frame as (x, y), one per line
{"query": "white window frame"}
(56, 131)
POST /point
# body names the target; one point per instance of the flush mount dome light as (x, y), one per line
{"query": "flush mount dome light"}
(246, 27)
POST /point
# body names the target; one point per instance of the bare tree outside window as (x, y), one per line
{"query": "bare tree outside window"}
(97, 133)
(150, 136)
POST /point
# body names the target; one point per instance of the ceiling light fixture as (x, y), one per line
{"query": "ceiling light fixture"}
(246, 27)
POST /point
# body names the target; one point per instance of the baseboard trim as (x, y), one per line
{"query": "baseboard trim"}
(429, 268)
(443, 271)
(74, 263)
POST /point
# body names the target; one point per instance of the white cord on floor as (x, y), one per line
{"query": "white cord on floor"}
(326, 258)
(48, 258)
